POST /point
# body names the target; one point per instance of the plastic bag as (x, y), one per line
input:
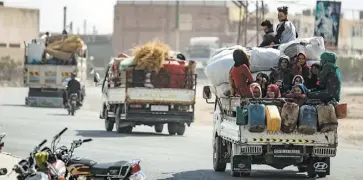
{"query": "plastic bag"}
(263, 59)
(128, 62)
(313, 47)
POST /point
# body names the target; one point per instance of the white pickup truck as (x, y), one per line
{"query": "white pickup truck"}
(235, 144)
(129, 104)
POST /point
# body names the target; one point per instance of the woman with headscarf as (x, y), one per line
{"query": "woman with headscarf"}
(285, 30)
(312, 80)
(301, 67)
(297, 80)
(298, 93)
(256, 90)
(241, 75)
(273, 91)
(329, 79)
(283, 73)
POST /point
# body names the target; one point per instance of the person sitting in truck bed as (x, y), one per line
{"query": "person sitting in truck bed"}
(282, 72)
(273, 91)
(256, 90)
(241, 75)
(298, 93)
(301, 67)
(312, 80)
(263, 80)
(329, 79)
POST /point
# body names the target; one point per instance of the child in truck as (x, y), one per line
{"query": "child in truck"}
(241, 75)
(298, 93)
(273, 91)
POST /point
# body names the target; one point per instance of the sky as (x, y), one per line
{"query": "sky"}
(99, 13)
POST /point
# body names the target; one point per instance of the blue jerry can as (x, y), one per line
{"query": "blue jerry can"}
(256, 117)
(308, 120)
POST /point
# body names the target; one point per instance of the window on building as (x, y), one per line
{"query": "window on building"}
(14, 45)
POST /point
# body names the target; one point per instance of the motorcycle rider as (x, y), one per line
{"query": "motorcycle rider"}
(74, 86)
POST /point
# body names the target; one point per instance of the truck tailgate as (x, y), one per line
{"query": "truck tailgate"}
(116, 95)
(161, 95)
(47, 76)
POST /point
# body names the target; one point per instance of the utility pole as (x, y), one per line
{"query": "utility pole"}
(239, 26)
(246, 23)
(257, 25)
(263, 10)
(64, 17)
(177, 24)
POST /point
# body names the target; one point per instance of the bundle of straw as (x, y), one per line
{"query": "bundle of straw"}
(151, 55)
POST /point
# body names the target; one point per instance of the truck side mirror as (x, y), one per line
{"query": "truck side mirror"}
(207, 93)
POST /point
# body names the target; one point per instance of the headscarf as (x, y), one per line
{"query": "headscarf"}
(303, 89)
(256, 85)
(275, 89)
(240, 57)
(328, 64)
(304, 54)
(298, 76)
(282, 57)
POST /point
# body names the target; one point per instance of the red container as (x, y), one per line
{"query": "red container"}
(178, 74)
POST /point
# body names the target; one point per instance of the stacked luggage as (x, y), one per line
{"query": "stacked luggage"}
(262, 59)
(307, 119)
(56, 50)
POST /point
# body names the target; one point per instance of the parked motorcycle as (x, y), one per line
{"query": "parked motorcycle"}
(72, 103)
(26, 168)
(3, 171)
(81, 167)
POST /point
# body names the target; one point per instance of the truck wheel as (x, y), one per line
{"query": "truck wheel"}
(117, 120)
(234, 173)
(159, 128)
(322, 175)
(311, 174)
(218, 164)
(181, 129)
(109, 125)
(172, 128)
(127, 129)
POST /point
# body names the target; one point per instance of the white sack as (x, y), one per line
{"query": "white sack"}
(224, 51)
(263, 59)
(218, 71)
(313, 47)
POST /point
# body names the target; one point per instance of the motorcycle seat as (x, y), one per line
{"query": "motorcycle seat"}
(105, 168)
(83, 161)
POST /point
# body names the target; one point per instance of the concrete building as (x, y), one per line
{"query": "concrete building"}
(16, 26)
(136, 22)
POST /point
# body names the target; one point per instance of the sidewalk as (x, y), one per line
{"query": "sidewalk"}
(8, 162)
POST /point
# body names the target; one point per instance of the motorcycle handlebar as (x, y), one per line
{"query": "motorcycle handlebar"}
(60, 133)
(86, 140)
(42, 143)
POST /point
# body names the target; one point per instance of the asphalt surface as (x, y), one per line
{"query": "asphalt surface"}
(163, 157)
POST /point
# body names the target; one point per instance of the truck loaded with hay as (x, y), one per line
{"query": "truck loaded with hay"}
(153, 87)
(48, 65)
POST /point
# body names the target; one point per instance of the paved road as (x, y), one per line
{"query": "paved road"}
(163, 157)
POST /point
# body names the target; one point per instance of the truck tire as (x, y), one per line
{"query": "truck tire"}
(109, 125)
(172, 128)
(159, 128)
(181, 129)
(218, 164)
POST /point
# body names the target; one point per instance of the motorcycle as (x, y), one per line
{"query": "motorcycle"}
(81, 167)
(72, 103)
(3, 171)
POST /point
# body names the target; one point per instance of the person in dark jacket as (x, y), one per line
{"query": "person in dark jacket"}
(301, 67)
(74, 86)
(269, 35)
(283, 73)
(241, 74)
(329, 79)
(312, 80)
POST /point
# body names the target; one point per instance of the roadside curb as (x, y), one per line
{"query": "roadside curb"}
(9, 154)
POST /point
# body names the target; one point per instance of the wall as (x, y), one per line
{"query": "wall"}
(137, 22)
(16, 26)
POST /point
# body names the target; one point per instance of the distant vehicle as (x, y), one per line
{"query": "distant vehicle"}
(200, 49)
(47, 79)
